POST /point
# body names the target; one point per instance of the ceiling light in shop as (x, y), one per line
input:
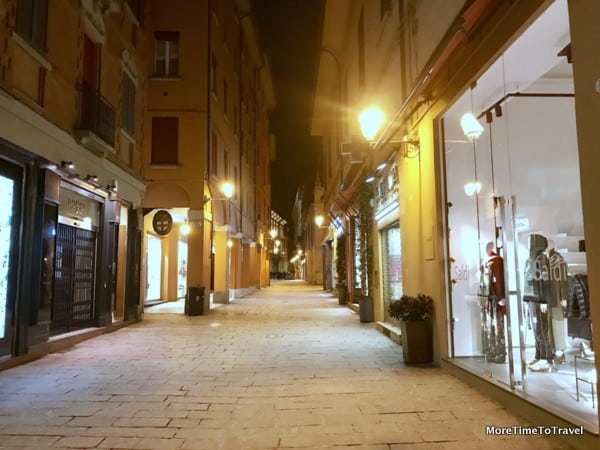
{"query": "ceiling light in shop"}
(471, 126)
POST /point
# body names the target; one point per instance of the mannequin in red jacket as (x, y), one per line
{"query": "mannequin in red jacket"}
(496, 304)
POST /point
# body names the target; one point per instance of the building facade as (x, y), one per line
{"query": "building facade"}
(120, 120)
(491, 212)
(72, 76)
(209, 97)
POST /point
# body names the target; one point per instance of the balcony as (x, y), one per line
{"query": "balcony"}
(96, 130)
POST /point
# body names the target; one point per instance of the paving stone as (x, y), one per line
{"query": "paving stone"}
(285, 367)
(79, 442)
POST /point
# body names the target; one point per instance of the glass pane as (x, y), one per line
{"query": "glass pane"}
(6, 198)
(160, 58)
(154, 267)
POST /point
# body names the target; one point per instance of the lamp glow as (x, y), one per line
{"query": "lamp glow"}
(227, 188)
(185, 229)
(471, 127)
(273, 233)
(276, 250)
(319, 220)
(370, 120)
(229, 243)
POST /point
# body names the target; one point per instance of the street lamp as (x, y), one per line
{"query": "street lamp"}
(319, 220)
(227, 188)
(370, 121)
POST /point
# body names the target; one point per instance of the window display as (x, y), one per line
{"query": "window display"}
(518, 276)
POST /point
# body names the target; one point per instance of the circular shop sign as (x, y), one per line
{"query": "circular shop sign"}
(162, 222)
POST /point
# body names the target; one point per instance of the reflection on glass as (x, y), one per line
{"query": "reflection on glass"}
(6, 198)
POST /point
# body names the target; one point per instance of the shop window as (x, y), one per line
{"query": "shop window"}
(127, 104)
(391, 265)
(166, 54)
(518, 269)
(32, 23)
(165, 140)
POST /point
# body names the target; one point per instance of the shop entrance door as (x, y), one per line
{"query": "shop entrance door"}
(74, 279)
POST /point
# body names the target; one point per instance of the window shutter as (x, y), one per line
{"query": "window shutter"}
(165, 140)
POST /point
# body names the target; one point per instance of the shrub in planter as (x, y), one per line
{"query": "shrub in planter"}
(415, 314)
(340, 269)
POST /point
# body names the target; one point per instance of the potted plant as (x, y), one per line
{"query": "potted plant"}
(340, 269)
(415, 315)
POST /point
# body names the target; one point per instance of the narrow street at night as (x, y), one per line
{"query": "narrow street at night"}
(286, 367)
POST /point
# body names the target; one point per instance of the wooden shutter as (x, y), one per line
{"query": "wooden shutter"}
(165, 140)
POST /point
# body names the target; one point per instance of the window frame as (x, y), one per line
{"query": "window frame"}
(32, 23)
(170, 40)
(128, 102)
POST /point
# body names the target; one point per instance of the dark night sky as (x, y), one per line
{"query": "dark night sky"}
(290, 33)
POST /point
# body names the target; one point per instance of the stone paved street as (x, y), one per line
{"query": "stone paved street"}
(284, 368)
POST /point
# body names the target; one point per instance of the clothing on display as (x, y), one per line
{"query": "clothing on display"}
(559, 291)
(537, 296)
(495, 308)
(578, 308)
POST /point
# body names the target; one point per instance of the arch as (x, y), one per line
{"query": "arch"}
(166, 195)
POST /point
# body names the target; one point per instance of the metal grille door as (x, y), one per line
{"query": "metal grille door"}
(73, 305)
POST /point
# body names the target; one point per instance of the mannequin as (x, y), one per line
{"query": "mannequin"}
(496, 304)
(557, 301)
(537, 296)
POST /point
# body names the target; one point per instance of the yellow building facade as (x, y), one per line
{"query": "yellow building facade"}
(207, 124)
(72, 78)
(450, 195)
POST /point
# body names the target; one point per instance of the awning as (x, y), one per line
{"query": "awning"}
(343, 201)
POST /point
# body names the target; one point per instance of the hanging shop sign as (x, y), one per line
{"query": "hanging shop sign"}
(162, 222)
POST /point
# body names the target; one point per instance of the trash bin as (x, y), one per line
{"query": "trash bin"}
(196, 303)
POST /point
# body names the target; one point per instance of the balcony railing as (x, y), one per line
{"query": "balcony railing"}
(97, 115)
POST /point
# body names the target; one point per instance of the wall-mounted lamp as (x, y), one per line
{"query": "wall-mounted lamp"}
(408, 147)
(471, 127)
(185, 228)
(381, 166)
(319, 220)
(370, 179)
(229, 243)
(227, 189)
(273, 233)
(370, 121)
(92, 178)
(113, 186)
(276, 250)
(67, 165)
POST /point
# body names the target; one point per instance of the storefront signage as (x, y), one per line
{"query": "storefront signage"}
(162, 222)
(79, 208)
(387, 185)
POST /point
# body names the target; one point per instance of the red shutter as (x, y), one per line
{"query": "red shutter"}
(165, 140)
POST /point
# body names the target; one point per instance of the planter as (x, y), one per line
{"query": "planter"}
(417, 341)
(366, 309)
(342, 294)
